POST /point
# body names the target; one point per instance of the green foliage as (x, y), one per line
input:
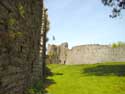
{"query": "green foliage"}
(36, 88)
(118, 44)
(114, 45)
(31, 91)
(11, 21)
(21, 10)
(117, 6)
(45, 21)
(14, 35)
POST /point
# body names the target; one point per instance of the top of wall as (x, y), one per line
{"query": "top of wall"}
(91, 45)
(65, 45)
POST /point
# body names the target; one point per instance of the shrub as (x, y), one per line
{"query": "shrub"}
(118, 44)
(36, 88)
(114, 45)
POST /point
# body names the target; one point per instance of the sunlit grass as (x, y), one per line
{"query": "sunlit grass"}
(106, 78)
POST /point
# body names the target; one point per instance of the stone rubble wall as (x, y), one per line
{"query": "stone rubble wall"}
(89, 54)
(20, 33)
(57, 54)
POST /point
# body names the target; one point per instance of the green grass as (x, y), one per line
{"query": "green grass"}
(106, 78)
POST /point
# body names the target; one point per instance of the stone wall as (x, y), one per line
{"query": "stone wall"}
(90, 54)
(20, 33)
(57, 54)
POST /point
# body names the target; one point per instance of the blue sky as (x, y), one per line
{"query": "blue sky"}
(81, 22)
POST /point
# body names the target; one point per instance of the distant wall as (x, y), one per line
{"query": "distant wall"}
(90, 54)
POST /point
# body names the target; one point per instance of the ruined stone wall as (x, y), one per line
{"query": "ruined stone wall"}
(90, 54)
(57, 54)
(63, 48)
(20, 32)
(53, 54)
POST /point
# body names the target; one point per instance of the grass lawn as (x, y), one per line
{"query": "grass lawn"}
(106, 78)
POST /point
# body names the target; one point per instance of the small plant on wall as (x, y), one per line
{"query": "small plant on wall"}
(118, 44)
(36, 88)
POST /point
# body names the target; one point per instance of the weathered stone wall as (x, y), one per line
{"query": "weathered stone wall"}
(52, 56)
(63, 49)
(57, 54)
(90, 54)
(20, 32)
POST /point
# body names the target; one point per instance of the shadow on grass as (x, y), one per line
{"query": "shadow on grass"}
(106, 70)
(49, 81)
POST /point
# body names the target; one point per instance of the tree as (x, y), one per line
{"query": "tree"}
(45, 29)
(117, 6)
